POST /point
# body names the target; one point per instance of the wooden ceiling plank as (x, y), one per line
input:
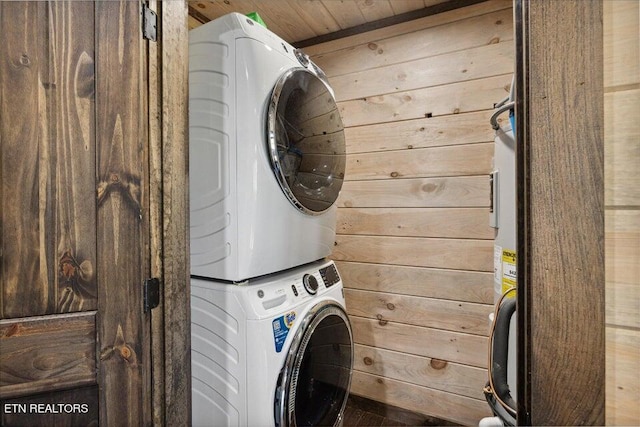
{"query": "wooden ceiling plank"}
(346, 12)
(406, 22)
(197, 16)
(193, 22)
(403, 6)
(373, 10)
(210, 9)
(216, 9)
(315, 15)
(281, 14)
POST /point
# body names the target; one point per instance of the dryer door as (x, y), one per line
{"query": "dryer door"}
(306, 142)
(314, 383)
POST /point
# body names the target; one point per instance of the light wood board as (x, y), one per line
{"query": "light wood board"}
(459, 160)
(466, 191)
(623, 377)
(471, 33)
(470, 286)
(460, 254)
(434, 343)
(460, 66)
(455, 98)
(423, 371)
(432, 313)
(622, 147)
(453, 129)
(471, 223)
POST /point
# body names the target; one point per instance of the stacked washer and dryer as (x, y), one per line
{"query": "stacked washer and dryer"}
(271, 342)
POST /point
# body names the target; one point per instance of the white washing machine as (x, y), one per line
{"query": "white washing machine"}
(275, 351)
(267, 153)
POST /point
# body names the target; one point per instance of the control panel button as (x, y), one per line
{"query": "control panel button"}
(294, 289)
(310, 283)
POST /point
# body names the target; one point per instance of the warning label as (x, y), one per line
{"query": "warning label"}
(281, 326)
(508, 270)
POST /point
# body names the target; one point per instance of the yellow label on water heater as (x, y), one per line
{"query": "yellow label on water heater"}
(508, 270)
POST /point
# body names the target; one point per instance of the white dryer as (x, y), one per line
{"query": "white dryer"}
(267, 153)
(276, 351)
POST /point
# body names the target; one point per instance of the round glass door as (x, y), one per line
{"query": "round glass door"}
(306, 141)
(319, 374)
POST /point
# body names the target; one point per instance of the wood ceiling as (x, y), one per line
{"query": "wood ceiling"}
(298, 20)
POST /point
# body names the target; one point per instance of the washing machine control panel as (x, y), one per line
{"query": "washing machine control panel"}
(271, 297)
(329, 275)
(310, 284)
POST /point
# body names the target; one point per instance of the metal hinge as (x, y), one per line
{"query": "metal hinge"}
(151, 293)
(149, 23)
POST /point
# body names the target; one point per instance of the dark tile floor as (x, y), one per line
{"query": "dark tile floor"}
(354, 417)
(361, 412)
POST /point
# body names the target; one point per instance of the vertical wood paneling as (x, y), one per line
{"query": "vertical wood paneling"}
(122, 198)
(155, 223)
(26, 255)
(622, 217)
(564, 241)
(74, 213)
(48, 152)
(175, 214)
(414, 246)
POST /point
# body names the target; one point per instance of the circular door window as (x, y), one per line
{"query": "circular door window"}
(317, 374)
(306, 141)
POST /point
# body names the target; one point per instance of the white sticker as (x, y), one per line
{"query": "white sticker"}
(497, 264)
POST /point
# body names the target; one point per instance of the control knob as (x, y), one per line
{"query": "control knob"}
(310, 283)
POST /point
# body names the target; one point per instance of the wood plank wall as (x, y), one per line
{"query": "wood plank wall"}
(414, 247)
(622, 214)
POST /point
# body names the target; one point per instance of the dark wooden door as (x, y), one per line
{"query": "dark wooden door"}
(74, 339)
(560, 163)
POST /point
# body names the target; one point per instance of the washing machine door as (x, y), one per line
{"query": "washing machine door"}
(314, 383)
(306, 143)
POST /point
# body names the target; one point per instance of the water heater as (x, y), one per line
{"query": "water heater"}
(501, 387)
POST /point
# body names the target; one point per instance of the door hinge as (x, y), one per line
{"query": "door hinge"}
(149, 23)
(151, 293)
